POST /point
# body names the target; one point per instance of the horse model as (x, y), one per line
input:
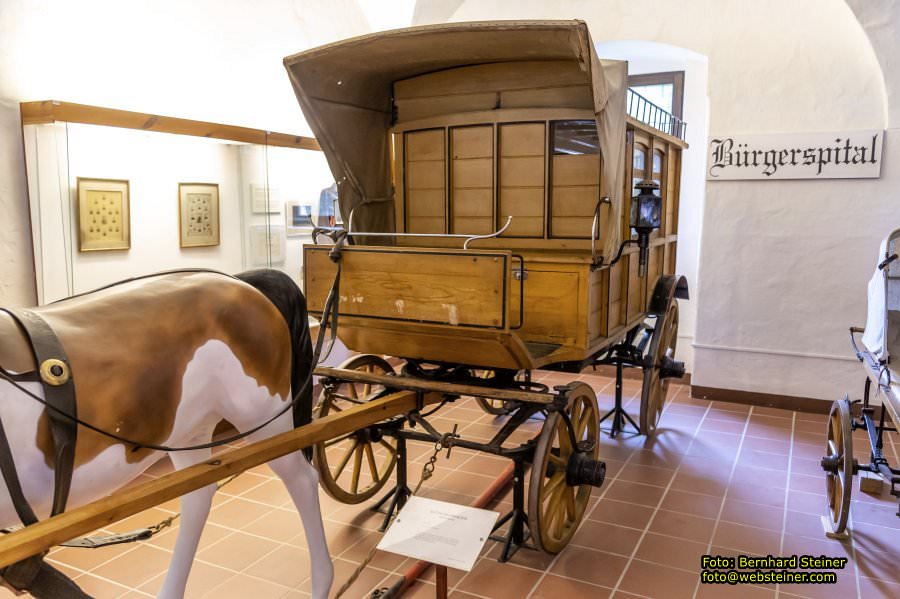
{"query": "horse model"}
(156, 363)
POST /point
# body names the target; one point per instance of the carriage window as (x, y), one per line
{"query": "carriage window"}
(658, 170)
(574, 178)
(638, 165)
(575, 137)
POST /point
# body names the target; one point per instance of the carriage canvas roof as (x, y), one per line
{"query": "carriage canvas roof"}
(345, 90)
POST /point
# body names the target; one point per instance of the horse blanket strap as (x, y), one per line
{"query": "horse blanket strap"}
(59, 393)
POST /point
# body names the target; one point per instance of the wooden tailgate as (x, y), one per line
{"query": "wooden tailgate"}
(458, 288)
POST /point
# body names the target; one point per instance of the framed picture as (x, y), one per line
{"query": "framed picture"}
(264, 200)
(267, 244)
(298, 219)
(198, 209)
(104, 215)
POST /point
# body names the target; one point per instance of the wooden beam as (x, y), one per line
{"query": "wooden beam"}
(129, 501)
(413, 384)
(50, 111)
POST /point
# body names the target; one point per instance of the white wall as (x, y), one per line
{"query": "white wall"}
(782, 265)
(652, 57)
(211, 60)
(154, 164)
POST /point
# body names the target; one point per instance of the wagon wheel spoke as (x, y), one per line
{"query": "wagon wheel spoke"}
(388, 446)
(569, 495)
(837, 494)
(555, 506)
(565, 447)
(367, 387)
(370, 457)
(346, 459)
(557, 461)
(554, 483)
(581, 427)
(832, 448)
(338, 440)
(357, 469)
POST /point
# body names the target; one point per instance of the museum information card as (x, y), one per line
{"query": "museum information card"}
(442, 533)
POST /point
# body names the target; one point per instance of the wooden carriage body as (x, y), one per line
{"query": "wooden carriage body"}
(521, 120)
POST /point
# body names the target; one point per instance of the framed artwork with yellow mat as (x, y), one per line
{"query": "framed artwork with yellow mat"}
(104, 216)
(198, 209)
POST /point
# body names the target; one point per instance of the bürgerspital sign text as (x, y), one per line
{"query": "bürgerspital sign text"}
(841, 155)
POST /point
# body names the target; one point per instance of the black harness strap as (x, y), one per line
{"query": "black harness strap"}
(11, 478)
(32, 573)
(59, 391)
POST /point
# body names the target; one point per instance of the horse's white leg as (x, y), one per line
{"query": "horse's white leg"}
(302, 483)
(195, 508)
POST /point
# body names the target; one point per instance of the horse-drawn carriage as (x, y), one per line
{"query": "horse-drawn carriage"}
(486, 171)
(486, 174)
(875, 346)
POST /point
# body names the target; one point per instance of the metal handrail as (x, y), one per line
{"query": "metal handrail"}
(649, 113)
(468, 238)
(595, 227)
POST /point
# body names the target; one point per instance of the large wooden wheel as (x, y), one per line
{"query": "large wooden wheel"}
(660, 362)
(355, 467)
(555, 505)
(839, 465)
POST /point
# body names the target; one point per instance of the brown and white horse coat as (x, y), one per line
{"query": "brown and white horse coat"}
(163, 360)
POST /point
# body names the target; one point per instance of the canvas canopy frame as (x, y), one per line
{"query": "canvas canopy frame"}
(345, 92)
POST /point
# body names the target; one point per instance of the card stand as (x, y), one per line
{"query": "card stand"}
(396, 497)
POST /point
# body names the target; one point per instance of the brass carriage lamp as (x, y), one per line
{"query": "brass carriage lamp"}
(646, 209)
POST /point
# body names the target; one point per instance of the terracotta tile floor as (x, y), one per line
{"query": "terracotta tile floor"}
(717, 478)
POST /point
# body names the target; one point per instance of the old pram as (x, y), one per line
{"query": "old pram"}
(877, 347)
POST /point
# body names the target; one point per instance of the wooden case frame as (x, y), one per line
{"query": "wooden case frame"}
(204, 241)
(87, 242)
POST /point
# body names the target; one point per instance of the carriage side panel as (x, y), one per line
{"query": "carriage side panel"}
(448, 287)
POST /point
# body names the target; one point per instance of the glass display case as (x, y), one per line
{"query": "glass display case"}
(115, 194)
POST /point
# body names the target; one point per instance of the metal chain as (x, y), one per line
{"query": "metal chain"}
(141, 534)
(163, 524)
(445, 442)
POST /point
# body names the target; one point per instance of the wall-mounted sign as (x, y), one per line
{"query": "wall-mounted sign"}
(840, 155)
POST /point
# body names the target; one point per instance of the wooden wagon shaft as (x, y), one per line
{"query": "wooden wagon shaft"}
(127, 502)
(407, 383)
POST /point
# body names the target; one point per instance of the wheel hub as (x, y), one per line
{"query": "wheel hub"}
(832, 463)
(669, 368)
(582, 470)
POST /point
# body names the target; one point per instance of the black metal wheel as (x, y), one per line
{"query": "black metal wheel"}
(839, 465)
(353, 468)
(660, 365)
(563, 475)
